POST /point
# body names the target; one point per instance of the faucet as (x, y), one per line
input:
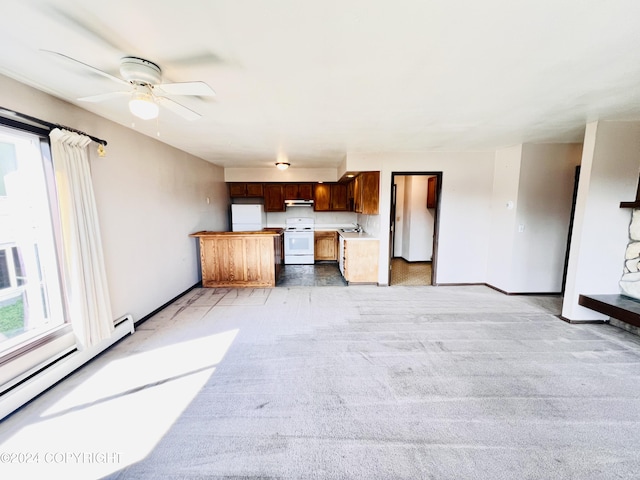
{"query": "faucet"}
(358, 227)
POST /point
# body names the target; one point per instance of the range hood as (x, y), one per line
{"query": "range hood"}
(298, 203)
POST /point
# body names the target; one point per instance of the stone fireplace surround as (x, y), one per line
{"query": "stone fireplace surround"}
(630, 281)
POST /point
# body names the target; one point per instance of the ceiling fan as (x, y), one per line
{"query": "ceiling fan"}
(143, 81)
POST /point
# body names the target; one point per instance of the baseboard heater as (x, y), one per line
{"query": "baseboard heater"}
(48, 375)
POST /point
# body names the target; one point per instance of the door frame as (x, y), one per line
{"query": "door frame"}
(576, 180)
(436, 219)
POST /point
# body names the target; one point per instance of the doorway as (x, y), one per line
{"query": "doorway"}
(413, 232)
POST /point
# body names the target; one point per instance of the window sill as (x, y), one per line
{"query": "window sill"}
(31, 343)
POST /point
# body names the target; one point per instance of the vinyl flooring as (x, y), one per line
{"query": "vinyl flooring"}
(328, 274)
(318, 275)
(410, 273)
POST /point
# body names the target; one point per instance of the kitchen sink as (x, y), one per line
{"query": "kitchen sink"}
(349, 230)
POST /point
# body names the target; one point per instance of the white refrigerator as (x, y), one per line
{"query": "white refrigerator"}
(247, 218)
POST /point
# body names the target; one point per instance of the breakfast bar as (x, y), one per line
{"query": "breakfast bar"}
(240, 259)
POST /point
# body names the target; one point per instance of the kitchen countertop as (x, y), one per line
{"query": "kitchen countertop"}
(356, 236)
(348, 235)
(332, 228)
(265, 232)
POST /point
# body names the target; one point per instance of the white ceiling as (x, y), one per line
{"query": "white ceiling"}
(314, 81)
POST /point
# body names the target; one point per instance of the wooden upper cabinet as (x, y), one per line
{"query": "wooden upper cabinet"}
(321, 197)
(255, 190)
(350, 197)
(357, 194)
(273, 197)
(238, 189)
(366, 192)
(431, 192)
(339, 196)
(241, 189)
(298, 191)
(291, 191)
(329, 197)
(360, 195)
(305, 191)
(370, 192)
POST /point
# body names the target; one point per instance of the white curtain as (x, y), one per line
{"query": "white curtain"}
(83, 268)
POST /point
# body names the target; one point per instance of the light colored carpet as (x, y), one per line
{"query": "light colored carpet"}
(360, 382)
(410, 273)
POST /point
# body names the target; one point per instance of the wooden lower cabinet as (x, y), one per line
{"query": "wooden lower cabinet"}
(361, 260)
(325, 245)
(278, 255)
(235, 259)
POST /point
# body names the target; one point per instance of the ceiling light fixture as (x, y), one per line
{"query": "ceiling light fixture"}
(282, 165)
(143, 106)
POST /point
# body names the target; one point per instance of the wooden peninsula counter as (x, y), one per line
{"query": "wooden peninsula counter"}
(240, 259)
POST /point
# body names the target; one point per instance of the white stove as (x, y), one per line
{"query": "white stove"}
(298, 241)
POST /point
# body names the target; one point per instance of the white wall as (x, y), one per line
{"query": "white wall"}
(608, 176)
(531, 211)
(406, 213)
(543, 211)
(321, 219)
(272, 174)
(150, 197)
(371, 225)
(465, 208)
(414, 230)
(420, 221)
(503, 216)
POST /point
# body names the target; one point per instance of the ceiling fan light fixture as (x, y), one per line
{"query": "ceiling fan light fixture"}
(143, 106)
(282, 165)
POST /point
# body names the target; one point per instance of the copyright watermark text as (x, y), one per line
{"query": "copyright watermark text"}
(60, 457)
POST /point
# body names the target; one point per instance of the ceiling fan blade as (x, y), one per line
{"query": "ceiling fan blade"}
(179, 109)
(104, 96)
(87, 67)
(200, 89)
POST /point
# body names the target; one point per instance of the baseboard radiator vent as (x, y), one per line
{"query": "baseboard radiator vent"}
(48, 375)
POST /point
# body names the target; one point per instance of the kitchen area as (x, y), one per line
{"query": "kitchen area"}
(296, 234)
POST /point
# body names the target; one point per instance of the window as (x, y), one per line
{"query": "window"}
(30, 293)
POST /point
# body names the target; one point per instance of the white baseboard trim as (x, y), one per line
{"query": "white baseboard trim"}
(33, 386)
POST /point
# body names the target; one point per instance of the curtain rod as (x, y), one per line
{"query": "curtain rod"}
(49, 125)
